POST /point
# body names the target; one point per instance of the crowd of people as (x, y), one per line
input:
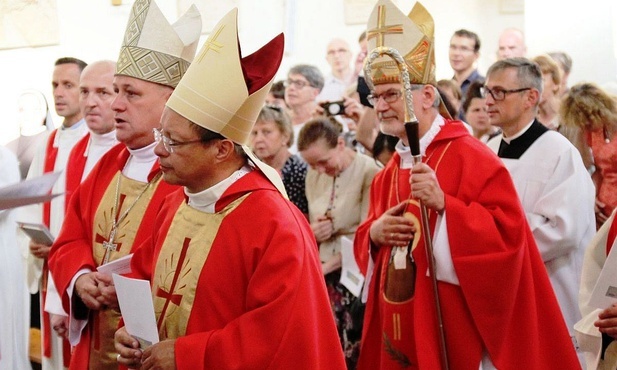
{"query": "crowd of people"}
(339, 220)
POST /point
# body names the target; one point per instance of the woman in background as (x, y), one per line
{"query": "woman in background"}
(593, 113)
(337, 189)
(271, 138)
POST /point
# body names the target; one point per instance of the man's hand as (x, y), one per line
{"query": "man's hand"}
(159, 356)
(86, 287)
(107, 288)
(425, 188)
(607, 322)
(39, 250)
(322, 228)
(60, 324)
(392, 228)
(128, 350)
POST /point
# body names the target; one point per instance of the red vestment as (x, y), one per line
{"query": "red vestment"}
(75, 166)
(241, 288)
(73, 249)
(504, 306)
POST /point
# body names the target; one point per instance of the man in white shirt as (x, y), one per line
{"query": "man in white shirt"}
(551, 181)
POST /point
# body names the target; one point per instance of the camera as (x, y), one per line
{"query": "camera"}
(334, 108)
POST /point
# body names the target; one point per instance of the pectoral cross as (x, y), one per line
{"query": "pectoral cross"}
(169, 296)
(109, 247)
(382, 29)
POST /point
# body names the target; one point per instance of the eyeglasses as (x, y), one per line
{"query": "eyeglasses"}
(389, 97)
(168, 143)
(498, 93)
(298, 84)
(337, 51)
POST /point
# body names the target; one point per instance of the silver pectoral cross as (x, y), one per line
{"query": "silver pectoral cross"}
(109, 247)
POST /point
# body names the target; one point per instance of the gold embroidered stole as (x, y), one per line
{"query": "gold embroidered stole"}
(397, 287)
(105, 321)
(179, 264)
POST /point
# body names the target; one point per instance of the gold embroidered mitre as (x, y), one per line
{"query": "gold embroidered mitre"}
(154, 50)
(224, 92)
(412, 36)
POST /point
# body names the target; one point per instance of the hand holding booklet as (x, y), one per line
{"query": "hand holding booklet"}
(135, 299)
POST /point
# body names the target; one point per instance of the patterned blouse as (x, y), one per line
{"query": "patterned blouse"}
(294, 174)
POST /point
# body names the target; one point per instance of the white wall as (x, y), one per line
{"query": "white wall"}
(93, 30)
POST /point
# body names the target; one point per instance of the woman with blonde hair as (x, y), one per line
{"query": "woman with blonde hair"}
(549, 101)
(593, 113)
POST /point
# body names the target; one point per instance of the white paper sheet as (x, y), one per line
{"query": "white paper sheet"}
(30, 191)
(135, 299)
(351, 277)
(605, 292)
(119, 266)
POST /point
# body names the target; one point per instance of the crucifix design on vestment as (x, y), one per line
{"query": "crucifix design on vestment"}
(382, 29)
(169, 296)
(108, 243)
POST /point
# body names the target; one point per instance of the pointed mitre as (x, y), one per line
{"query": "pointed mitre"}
(154, 50)
(224, 92)
(412, 36)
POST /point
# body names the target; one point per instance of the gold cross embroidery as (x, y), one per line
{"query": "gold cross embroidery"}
(211, 44)
(381, 30)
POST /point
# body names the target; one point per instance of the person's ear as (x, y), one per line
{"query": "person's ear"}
(225, 149)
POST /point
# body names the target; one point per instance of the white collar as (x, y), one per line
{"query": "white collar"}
(144, 154)
(518, 134)
(425, 141)
(205, 200)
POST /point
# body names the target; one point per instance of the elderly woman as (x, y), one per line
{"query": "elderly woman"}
(271, 138)
(337, 189)
(593, 114)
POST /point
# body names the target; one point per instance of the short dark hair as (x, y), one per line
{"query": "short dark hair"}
(70, 60)
(470, 35)
(473, 91)
(278, 90)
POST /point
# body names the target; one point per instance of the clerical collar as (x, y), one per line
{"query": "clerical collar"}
(425, 141)
(205, 200)
(140, 163)
(519, 133)
(518, 144)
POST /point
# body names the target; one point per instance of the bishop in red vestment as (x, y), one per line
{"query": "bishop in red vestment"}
(498, 309)
(234, 267)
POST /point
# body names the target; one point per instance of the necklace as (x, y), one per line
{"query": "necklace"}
(109, 244)
(328, 213)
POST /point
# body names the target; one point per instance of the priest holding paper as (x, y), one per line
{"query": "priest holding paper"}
(112, 210)
(498, 309)
(234, 269)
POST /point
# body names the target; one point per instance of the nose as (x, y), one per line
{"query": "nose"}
(160, 150)
(117, 104)
(381, 105)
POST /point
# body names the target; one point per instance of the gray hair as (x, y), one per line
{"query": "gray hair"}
(528, 72)
(312, 74)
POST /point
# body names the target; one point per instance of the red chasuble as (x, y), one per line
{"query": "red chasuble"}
(75, 166)
(240, 288)
(73, 249)
(504, 305)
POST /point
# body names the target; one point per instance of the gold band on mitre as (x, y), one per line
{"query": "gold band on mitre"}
(154, 50)
(412, 36)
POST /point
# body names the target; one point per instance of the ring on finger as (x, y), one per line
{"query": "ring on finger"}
(118, 357)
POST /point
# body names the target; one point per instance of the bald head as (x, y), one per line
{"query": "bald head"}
(338, 55)
(511, 44)
(96, 92)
